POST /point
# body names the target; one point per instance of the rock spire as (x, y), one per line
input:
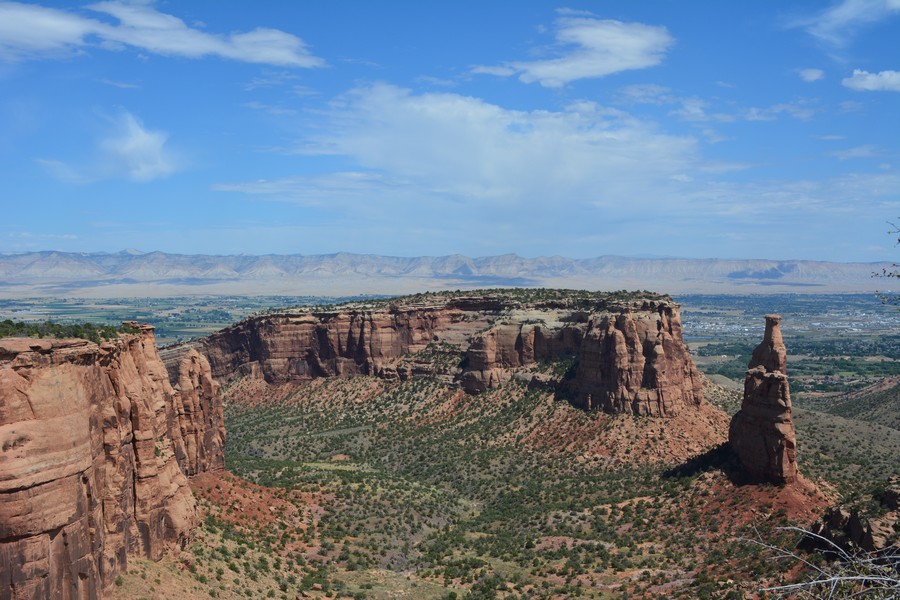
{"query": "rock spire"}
(762, 432)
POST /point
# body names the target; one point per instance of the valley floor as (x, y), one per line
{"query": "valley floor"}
(359, 488)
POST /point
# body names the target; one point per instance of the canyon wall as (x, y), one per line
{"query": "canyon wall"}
(627, 355)
(96, 449)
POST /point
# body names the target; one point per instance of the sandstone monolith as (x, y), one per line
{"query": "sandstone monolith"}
(762, 432)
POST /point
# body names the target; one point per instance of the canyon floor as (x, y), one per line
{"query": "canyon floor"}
(360, 488)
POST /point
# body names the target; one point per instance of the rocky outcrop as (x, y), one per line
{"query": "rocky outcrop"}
(849, 529)
(625, 352)
(627, 358)
(762, 432)
(199, 438)
(95, 445)
(299, 346)
(636, 362)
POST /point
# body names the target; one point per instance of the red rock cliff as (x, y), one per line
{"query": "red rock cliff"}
(302, 345)
(630, 355)
(636, 362)
(96, 445)
(762, 432)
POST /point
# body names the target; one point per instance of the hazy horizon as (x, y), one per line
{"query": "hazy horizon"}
(138, 252)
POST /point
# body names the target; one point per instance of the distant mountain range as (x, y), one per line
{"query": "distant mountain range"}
(132, 274)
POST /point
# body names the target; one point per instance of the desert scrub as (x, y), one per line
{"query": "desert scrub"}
(87, 331)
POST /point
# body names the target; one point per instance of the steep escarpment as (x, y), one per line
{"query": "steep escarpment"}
(96, 449)
(625, 352)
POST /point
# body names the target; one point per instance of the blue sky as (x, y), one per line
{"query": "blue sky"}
(690, 129)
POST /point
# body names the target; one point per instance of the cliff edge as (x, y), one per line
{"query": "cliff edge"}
(625, 351)
(95, 449)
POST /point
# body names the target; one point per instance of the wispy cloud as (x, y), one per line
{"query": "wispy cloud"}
(801, 110)
(645, 93)
(498, 71)
(31, 240)
(278, 111)
(429, 153)
(884, 81)
(811, 75)
(586, 48)
(137, 152)
(122, 85)
(866, 151)
(127, 149)
(697, 110)
(838, 25)
(270, 79)
(415, 158)
(64, 172)
(29, 31)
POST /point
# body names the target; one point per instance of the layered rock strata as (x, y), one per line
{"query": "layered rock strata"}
(95, 445)
(762, 432)
(626, 355)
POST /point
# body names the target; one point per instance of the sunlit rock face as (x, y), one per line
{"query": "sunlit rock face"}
(627, 354)
(762, 432)
(95, 444)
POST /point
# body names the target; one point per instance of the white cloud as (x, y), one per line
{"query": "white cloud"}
(695, 109)
(126, 149)
(424, 158)
(136, 152)
(270, 79)
(497, 71)
(27, 29)
(122, 85)
(835, 26)
(63, 172)
(278, 111)
(800, 110)
(472, 148)
(589, 48)
(884, 81)
(443, 172)
(849, 106)
(32, 31)
(866, 151)
(811, 75)
(645, 93)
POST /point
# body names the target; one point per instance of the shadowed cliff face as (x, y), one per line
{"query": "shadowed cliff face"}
(762, 432)
(96, 445)
(627, 356)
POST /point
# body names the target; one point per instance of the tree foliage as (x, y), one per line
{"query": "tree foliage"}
(88, 331)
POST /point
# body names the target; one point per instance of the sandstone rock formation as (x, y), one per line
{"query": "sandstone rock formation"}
(626, 353)
(96, 445)
(762, 432)
(850, 530)
(201, 423)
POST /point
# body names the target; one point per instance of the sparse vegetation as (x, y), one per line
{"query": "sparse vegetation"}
(363, 488)
(48, 329)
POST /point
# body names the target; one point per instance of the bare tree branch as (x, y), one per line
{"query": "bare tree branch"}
(851, 575)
